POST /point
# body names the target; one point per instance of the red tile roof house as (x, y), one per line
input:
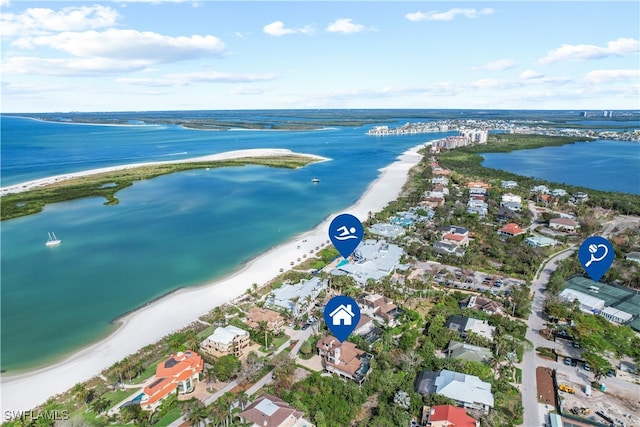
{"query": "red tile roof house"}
(270, 411)
(456, 239)
(344, 359)
(178, 374)
(512, 230)
(449, 416)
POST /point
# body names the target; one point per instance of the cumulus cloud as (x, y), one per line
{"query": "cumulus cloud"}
(603, 76)
(34, 21)
(186, 79)
(278, 29)
(582, 52)
(531, 74)
(449, 15)
(127, 44)
(344, 26)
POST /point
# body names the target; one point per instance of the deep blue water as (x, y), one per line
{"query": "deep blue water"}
(601, 165)
(176, 230)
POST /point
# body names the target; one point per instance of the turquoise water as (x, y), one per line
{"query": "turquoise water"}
(601, 165)
(173, 231)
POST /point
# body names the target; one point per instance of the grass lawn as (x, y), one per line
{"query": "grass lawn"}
(170, 417)
(276, 343)
(147, 373)
(518, 376)
(117, 396)
(207, 331)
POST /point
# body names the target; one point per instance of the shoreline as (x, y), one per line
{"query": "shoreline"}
(227, 155)
(149, 323)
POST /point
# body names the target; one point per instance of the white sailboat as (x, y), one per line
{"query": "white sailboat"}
(53, 240)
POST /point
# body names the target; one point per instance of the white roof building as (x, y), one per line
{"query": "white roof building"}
(296, 298)
(615, 315)
(374, 259)
(587, 302)
(467, 390)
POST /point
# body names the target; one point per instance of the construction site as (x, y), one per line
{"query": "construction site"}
(593, 404)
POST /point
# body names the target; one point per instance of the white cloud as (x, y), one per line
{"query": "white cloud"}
(344, 26)
(127, 44)
(499, 65)
(186, 79)
(70, 67)
(278, 29)
(42, 21)
(5, 3)
(568, 52)
(448, 15)
(247, 90)
(605, 76)
(531, 74)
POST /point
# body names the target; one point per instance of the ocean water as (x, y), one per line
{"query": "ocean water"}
(601, 165)
(177, 230)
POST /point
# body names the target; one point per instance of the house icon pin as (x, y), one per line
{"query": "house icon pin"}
(342, 315)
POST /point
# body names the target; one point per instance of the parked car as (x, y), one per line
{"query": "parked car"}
(567, 361)
(587, 367)
(611, 373)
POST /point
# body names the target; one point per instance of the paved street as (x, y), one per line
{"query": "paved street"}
(534, 412)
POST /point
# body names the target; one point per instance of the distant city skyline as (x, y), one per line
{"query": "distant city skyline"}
(182, 55)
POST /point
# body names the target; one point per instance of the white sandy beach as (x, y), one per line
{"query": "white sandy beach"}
(150, 323)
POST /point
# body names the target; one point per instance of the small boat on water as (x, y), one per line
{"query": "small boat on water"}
(53, 240)
(315, 180)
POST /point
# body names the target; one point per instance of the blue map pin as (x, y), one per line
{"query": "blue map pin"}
(341, 314)
(596, 255)
(346, 233)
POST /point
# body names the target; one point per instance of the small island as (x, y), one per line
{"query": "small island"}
(31, 197)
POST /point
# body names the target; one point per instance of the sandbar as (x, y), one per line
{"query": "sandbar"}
(150, 323)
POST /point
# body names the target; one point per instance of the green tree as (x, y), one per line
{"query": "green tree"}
(226, 367)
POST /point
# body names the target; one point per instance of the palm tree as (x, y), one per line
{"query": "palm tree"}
(209, 376)
(81, 392)
(100, 404)
(196, 413)
(243, 399)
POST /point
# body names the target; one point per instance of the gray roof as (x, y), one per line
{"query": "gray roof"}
(285, 296)
(474, 353)
(463, 388)
(374, 259)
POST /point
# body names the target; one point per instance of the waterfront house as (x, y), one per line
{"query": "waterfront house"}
(559, 192)
(467, 391)
(504, 214)
(273, 320)
(296, 299)
(344, 359)
(508, 184)
(226, 340)
(177, 374)
(541, 189)
(268, 410)
(445, 248)
(579, 197)
(373, 259)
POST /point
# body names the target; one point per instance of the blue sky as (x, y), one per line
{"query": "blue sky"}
(167, 55)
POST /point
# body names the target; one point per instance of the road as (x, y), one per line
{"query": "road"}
(301, 336)
(534, 412)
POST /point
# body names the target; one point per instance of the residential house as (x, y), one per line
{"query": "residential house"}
(432, 202)
(438, 171)
(547, 200)
(439, 188)
(380, 308)
(364, 326)
(447, 416)
(344, 359)
(387, 230)
(505, 214)
(176, 375)
(559, 192)
(510, 197)
(477, 190)
(274, 321)
(565, 224)
(373, 259)
(479, 303)
(508, 184)
(268, 410)
(444, 248)
(540, 241)
(298, 298)
(456, 239)
(481, 209)
(226, 340)
(440, 180)
(579, 197)
(633, 256)
(473, 353)
(464, 325)
(478, 184)
(514, 206)
(467, 391)
(511, 229)
(542, 189)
